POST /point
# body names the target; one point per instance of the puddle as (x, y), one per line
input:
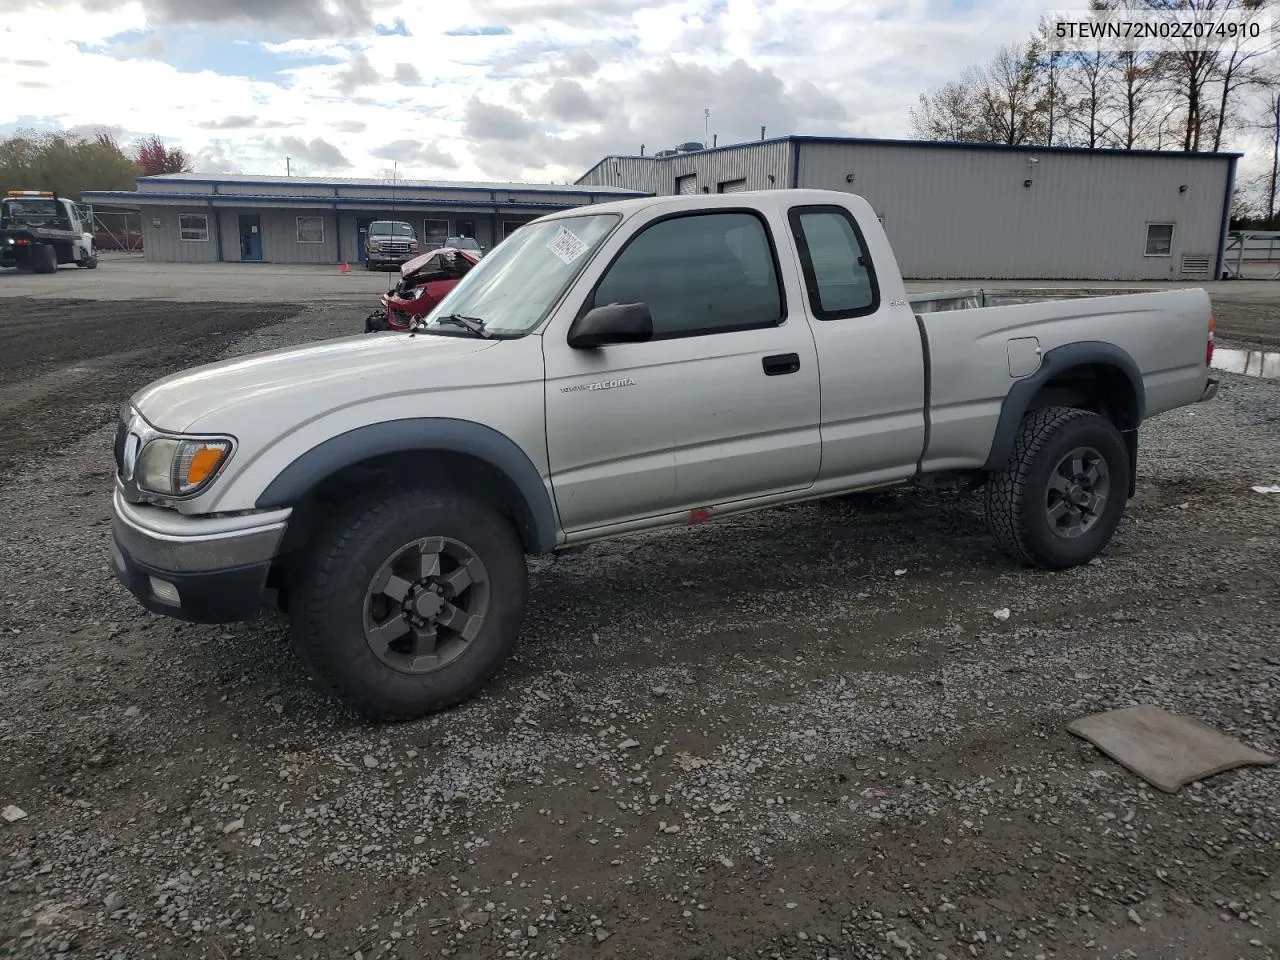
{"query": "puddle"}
(1252, 363)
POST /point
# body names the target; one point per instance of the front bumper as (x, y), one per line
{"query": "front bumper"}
(1210, 390)
(198, 569)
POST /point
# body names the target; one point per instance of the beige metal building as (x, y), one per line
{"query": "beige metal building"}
(966, 211)
(194, 217)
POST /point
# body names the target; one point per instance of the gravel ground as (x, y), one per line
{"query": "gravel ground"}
(799, 733)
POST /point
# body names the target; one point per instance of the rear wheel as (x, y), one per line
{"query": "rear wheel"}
(44, 259)
(1060, 498)
(410, 602)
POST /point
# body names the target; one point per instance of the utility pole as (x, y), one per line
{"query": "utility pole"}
(288, 166)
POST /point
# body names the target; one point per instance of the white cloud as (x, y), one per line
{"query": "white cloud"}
(529, 89)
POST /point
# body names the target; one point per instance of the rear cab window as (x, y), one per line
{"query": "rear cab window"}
(839, 277)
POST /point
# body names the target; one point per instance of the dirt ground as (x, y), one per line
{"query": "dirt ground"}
(800, 733)
(1255, 320)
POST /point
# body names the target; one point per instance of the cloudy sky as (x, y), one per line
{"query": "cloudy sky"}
(510, 89)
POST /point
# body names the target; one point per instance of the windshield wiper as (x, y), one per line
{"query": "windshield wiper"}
(474, 324)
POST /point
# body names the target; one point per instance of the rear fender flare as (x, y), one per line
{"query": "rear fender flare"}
(535, 516)
(1054, 363)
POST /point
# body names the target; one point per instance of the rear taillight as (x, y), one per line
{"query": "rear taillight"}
(1208, 347)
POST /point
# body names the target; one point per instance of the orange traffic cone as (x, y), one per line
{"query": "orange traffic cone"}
(345, 268)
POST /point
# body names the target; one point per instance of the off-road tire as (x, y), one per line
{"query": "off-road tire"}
(328, 598)
(1016, 496)
(44, 259)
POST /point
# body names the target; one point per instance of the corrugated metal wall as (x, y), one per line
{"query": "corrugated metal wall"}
(161, 239)
(755, 163)
(965, 213)
(280, 235)
(630, 173)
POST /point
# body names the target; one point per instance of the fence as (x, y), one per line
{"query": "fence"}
(1252, 255)
(117, 230)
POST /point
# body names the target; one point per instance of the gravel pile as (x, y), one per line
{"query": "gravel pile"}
(799, 733)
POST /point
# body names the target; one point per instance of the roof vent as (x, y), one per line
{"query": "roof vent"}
(690, 146)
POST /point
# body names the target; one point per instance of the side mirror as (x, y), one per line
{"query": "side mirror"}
(613, 323)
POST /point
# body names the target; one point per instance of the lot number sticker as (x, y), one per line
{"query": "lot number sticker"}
(567, 246)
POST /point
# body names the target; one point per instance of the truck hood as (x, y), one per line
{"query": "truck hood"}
(371, 364)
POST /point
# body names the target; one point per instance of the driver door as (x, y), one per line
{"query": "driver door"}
(722, 404)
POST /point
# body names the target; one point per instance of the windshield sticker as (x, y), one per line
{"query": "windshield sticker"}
(567, 246)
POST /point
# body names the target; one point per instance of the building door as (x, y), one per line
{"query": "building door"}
(362, 237)
(250, 237)
(466, 228)
(733, 186)
(689, 184)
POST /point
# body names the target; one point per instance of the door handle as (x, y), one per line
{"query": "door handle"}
(780, 363)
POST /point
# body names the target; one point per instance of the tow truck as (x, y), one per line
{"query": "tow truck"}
(40, 230)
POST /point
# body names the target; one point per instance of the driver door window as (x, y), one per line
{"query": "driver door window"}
(699, 274)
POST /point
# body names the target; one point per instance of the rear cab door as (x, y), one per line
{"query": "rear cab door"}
(869, 345)
(721, 405)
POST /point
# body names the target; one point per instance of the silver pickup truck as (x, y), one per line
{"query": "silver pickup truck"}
(611, 369)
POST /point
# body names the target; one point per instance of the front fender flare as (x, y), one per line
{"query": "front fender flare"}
(424, 434)
(1055, 362)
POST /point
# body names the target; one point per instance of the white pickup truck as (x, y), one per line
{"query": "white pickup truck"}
(611, 369)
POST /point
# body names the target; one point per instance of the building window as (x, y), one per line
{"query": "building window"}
(466, 228)
(838, 273)
(509, 227)
(1159, 240)
(310, 229)
(434, 233)
(734, 286)
(193, 226)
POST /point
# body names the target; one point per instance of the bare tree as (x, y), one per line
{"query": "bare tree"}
(1009, 98)
(948, 113)
(1089, 85)
(1269, 124)
(1143, 97)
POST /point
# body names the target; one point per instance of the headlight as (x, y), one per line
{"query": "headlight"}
(373, 245)
(176, 468)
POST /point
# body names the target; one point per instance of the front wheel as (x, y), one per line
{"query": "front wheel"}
(90, 262)
(1059, 499)
(409, 602)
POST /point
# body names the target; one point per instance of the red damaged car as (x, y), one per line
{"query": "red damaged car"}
(424, 282)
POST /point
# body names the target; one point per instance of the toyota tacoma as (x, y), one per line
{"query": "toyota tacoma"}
(610, 369)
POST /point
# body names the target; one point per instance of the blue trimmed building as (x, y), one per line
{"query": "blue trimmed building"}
(201, 218)
(984, 211)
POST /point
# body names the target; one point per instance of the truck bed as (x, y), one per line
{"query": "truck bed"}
(977, 351)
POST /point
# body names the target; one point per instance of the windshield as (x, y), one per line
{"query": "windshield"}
(392, 229)
(462, 243)
(512, 288)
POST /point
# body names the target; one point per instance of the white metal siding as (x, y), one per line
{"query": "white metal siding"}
(755, 163)
(164, 242)
(965, 213)
(629, 173)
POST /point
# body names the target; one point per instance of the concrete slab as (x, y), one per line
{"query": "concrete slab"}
(130, 277)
